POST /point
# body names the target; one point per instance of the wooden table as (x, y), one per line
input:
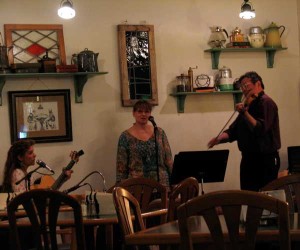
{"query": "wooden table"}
(90, 223)
(168, 234)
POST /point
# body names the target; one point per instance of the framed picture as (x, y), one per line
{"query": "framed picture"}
(29, 43)
(41, 115)
(137, 64)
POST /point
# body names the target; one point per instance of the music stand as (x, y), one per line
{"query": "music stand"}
(294, 159)
(205, 166)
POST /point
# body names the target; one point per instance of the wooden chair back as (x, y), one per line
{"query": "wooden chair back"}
(184, 191)
(128, 211)
(291, 185)
(149, 193)
(42, 208)
(231, 202)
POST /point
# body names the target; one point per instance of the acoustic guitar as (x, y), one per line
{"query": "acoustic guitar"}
(48, 182)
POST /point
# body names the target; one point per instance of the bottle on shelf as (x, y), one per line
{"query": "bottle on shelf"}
(191, 78)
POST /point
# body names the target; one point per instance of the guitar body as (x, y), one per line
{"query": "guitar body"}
(46, 182)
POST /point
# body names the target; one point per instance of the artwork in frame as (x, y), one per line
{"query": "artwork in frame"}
(137, 64)
(32, 42)
(41, 115)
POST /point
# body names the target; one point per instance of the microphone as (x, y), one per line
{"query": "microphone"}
(44, 165)
(151, 119)
(71, 189)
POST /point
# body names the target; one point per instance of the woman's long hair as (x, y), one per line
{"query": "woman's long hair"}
(16, 150)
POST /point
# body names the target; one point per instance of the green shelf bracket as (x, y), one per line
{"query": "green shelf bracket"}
(79, 82)
(181, 96)
(180, 103)
(215, 55)
(80, 79)
(270, 54)
(237, 98)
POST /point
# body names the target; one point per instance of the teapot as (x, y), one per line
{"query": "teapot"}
(217, 38)
(256, 40)
(256, 37)
(273, 35)
(86, 61)
(236, 35)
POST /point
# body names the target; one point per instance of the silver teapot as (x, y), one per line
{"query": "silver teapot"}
(86, 61)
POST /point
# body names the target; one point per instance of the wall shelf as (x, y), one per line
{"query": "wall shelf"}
(270, 54)
(237, 95)
(80, 79)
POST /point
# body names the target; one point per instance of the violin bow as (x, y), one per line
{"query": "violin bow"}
(221, 131)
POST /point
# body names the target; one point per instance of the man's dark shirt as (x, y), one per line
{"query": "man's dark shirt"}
(265, 136)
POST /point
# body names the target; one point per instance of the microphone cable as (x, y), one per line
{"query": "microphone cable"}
(94, 172)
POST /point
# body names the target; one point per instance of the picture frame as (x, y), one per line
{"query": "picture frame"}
(28, 43)
(137, 64)
(41, 115)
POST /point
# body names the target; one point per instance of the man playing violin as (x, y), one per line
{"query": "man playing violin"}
(256, 130)
(20, 157)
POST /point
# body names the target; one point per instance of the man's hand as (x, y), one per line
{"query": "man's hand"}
(214, 141)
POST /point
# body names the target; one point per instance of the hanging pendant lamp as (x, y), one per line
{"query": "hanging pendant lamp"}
(247, 12)
(66, 10)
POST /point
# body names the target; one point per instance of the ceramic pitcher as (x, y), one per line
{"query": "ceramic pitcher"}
(273, 35)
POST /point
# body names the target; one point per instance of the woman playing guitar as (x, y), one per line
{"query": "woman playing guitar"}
(19, 158)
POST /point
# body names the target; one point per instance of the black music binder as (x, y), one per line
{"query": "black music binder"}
(205, 166)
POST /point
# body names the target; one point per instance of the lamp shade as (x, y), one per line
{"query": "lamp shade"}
(247, 12)
(66, 10)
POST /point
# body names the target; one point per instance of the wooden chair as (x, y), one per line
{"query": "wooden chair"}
(291, 186)
(231, 202)
(128, 206)
(42, 208)
(184, 191)
(149, 193)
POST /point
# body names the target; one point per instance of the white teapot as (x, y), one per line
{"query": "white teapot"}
(257, 40)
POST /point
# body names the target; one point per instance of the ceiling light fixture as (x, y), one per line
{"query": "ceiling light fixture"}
(66, 9)
(247, 12)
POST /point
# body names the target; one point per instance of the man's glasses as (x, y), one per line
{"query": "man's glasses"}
(245, 86)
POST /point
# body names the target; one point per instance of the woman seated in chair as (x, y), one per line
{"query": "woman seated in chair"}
(20, 157)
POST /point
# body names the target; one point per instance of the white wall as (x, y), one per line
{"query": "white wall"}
(182, 30)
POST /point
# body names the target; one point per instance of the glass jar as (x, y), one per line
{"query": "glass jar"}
(183, 83)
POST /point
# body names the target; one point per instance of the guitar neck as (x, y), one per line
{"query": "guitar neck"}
(63, 177)
(59, 181)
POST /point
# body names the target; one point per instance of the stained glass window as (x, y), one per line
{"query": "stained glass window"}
(137, 60)
(31, 43)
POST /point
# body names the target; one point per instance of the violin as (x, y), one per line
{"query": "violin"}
(250, 99)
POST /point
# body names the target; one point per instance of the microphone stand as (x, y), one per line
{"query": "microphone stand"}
(27, 177)
(156, 151)
(79, 183)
